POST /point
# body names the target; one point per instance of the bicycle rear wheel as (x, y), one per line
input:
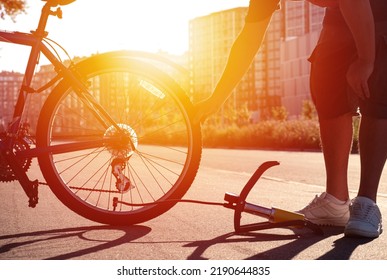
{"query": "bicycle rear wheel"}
(119, 172)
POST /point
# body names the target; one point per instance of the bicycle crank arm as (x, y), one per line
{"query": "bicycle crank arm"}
(29, 187)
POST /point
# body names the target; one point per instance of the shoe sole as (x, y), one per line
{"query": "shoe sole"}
(354, 232)
(329, 223)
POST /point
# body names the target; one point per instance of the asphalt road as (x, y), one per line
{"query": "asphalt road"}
(193, 231)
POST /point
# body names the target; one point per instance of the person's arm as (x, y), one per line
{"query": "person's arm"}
(359, 18)
(241, 55)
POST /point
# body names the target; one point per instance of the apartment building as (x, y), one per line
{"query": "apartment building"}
(302, 26)
(9, 87)
(10, 83)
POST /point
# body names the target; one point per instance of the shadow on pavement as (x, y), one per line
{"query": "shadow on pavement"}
(342, 247)
(115, 236)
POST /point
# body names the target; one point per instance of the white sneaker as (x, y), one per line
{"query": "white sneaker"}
(365, 218)
(324, 211)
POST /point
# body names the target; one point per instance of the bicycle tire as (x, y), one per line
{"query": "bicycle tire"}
(148, 106)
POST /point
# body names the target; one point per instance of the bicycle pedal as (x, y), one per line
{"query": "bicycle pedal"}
(33, 195)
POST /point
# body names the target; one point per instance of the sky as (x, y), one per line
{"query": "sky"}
(91, 26)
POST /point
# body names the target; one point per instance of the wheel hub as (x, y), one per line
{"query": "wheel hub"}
(125, 141)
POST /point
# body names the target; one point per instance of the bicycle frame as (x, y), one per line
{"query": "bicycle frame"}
(35, 41)
(37, 47)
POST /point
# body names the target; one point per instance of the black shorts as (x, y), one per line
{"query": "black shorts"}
(330, 60)
(261, 9)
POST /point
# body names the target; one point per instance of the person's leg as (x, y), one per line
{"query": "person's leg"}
(332, 207)
(336, 139)
(373, 154)
(365, 217)
(329, 90)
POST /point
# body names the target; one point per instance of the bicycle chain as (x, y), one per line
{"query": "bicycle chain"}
(84, 189)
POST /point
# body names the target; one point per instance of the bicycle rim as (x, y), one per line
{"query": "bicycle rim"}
(150, 154)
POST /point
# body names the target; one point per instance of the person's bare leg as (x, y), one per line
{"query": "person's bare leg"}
(373, 154)
(336, 138)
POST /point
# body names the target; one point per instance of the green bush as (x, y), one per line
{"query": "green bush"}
(272, 134)
(233, 130)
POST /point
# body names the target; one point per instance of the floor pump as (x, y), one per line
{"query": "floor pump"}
(277, 218)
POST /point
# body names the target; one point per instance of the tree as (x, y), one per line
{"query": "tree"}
(11, 8)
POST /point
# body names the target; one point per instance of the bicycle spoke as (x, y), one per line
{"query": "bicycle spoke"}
(153, 164)
(162, 159)
(87, 164)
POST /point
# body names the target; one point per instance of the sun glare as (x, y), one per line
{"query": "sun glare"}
(90, 26)
(144, 25)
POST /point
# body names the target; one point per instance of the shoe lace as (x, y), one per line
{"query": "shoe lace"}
(362, 211)
(316, 200)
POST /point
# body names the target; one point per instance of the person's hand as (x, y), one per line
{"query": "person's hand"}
(357, 77)
(203, 110)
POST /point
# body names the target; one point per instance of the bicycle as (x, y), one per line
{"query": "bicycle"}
(114, 138)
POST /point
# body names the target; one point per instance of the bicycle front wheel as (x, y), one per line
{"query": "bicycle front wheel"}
(120, 164)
